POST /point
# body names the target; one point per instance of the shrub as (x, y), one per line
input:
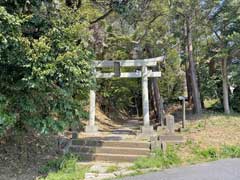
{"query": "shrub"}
(6, 120)
(46, 77)
(235, 100)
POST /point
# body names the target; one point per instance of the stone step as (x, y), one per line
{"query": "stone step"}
(101, 143)
(108, 157)
(110, 150)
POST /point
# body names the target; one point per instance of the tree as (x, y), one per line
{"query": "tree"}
(185, 13)
(45, 72)
(225, 25)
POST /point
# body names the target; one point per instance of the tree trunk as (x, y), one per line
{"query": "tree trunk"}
(152, 99)
(189, 85)
(157, 97)
(212, 67)
(156, 93)
(136, 105)
(194, 84)
(187, 69)
(225, 86)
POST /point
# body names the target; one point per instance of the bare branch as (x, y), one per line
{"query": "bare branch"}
(216, 10)
(148, 27)
(102, 17)
(219, 38)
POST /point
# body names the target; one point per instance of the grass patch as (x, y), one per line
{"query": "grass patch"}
(55, 164)
(208, 154)
(158, 160)
(112, 168)
(196, 154)
(65, 168)
(230, 152)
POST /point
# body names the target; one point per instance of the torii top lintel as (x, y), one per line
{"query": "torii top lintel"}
(117, 64)
(129, 63)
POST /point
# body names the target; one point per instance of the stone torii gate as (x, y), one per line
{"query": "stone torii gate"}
(146, 129)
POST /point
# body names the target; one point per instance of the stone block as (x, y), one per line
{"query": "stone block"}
(155, 145)
(91, 129)
(99, 168)
(147, 131)
(103, 176)
(171, 138)
(74, 135)
(170, 124)
(124, 172)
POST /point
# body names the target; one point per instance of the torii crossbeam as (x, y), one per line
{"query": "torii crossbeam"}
(146, 129)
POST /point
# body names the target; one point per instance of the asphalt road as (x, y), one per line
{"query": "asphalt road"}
(228, 169)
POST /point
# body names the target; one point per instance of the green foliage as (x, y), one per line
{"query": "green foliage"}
(210, 84)
(235, 73)
(235, 99)
(235, 81)
(65, 168)
(225, 24)
(7, 121)
(158, 160)
(45, 74)
(172, 81)
(120, 93)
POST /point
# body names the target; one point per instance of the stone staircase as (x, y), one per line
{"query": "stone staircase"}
(112, 150)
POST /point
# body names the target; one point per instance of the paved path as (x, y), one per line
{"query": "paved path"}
(228, 169)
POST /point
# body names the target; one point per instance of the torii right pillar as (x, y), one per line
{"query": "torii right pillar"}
(147, 129)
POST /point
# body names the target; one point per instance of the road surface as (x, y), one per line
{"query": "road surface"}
(228, 169)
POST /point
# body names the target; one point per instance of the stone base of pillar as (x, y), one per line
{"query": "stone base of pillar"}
(74, 135)
(91, 129)
(147, 131)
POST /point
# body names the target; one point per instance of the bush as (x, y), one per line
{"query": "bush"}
(44, 77)
(6, 120)
(235, 100)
